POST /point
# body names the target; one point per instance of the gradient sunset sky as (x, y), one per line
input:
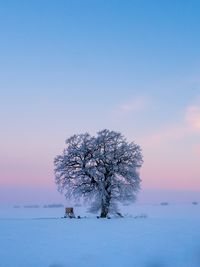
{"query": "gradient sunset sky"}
(74, 66)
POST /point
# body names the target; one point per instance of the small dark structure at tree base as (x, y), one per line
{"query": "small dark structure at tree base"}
(69, 213)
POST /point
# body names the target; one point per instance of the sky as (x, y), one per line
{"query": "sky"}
(82, 66)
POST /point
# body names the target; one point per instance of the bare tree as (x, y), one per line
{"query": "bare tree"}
(102, 169)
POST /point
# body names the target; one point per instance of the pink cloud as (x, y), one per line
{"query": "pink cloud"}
(169, 133)
(171, 164)
(135, 105)
(188, 125)
(193, 117)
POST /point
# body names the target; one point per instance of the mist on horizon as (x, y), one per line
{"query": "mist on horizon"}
(10, 196)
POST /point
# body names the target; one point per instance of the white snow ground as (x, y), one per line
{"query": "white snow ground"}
(168, 237)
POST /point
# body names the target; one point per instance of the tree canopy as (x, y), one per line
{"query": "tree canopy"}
(103, 169)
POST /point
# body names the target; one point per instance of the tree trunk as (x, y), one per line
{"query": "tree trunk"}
(104, 211)
(105, 204)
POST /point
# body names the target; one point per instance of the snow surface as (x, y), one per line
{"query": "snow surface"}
(168, 237)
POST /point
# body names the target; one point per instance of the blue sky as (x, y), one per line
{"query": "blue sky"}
(75, 66)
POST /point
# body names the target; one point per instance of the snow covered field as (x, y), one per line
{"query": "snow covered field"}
(168, 237)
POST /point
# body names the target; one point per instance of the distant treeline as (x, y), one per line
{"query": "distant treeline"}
(38, 206)
(54, 206)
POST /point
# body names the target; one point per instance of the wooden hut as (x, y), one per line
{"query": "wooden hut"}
(69, 213)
